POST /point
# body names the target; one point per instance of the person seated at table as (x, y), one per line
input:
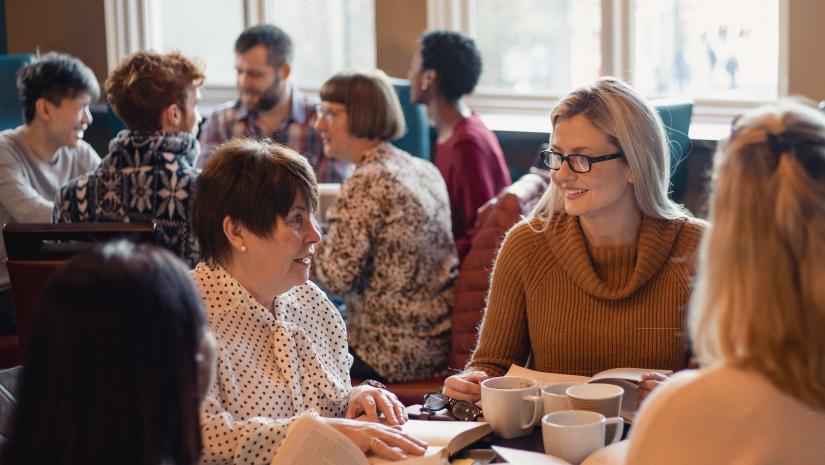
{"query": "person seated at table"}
(758, 313)
(119, 360)
(282, 346)
(599, 276)
(447, 67)
(147, 175)
(389, 249)
(40, 156)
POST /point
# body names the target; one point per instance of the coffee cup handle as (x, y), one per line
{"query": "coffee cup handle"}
(619, 422)
(538, 411)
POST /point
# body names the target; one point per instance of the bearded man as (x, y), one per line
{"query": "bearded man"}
(269, 106)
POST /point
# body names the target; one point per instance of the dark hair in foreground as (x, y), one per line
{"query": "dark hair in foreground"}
(455, 59)
(252, 182)
(111, 374)
(277, 42)
(54, 76)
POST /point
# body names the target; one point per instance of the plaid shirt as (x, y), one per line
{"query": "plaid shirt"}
(296, 132)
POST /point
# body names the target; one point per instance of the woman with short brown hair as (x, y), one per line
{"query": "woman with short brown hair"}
(389, 250)
(281, 344)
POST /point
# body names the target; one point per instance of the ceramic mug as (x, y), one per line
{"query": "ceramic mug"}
(572, 435)
(555, 397)
(512, 405)
(597, 397)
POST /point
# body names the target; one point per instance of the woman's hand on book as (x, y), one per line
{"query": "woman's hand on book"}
(649, 382)
(387, 442)
(465, 386)
(371, 402)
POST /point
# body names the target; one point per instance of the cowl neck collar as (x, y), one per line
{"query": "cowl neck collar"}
(655, 244)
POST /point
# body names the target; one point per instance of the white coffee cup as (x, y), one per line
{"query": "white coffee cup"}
(603, 398)
(555, 397)
(597, 397)
(511, 405)
(327, 195)
(572, 435)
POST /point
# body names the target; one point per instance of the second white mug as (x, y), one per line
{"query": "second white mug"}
(572, 435)
(555, 397)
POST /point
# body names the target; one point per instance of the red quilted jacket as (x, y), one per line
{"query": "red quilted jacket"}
(494, 219)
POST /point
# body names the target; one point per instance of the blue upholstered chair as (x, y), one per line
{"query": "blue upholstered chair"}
(11, 114)
(416, 140)
(676, 116)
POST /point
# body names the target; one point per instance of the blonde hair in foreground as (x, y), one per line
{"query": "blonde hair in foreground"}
(634, 126)
(760, 301)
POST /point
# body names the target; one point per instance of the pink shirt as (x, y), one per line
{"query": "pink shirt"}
(473, 167)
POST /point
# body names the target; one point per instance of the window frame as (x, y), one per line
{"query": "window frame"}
(617, 59)
(128, 31)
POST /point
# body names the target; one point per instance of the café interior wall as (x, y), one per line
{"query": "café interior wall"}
(72, 26)
(398, 24)
(806, 48)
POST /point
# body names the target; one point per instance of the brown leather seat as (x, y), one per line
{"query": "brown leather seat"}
(10, 353)
(494, 219)
(36, 251)
(27, 278)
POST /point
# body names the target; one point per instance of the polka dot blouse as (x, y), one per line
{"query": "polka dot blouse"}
(271, 367)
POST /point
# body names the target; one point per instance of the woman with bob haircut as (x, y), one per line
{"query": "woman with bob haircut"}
(119, 360)
(282, 346)
(389, 249)
(599, 276)
(758, 313)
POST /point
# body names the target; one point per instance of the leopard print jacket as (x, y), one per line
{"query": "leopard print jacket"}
(389, 252)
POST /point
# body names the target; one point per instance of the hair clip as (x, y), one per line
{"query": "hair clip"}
(779, 143)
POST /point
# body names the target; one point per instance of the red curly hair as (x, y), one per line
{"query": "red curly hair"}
(146, 83)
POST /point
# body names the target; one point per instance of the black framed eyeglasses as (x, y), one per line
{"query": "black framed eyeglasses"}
(578, 163)
(461, 409)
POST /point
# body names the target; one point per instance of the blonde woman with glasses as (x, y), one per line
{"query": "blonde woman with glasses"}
(599, 276)
(757, 318)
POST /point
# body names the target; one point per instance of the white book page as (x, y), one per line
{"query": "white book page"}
(427, 459)
(311, 442)
(525, 457)
(630, 374)
(544, 378)
(452, 435)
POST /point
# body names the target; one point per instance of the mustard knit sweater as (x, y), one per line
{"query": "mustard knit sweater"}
(576, 309)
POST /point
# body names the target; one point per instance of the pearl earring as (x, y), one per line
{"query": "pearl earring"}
(243, 248)
(424, 86)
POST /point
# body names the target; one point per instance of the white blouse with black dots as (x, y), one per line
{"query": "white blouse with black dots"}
(271, 367)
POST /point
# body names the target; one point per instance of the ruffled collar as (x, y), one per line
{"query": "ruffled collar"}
(237, 298)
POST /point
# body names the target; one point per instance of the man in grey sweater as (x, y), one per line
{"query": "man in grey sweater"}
(39, 157)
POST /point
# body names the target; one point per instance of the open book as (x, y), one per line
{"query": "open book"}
(627, 378)
(311, 441)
